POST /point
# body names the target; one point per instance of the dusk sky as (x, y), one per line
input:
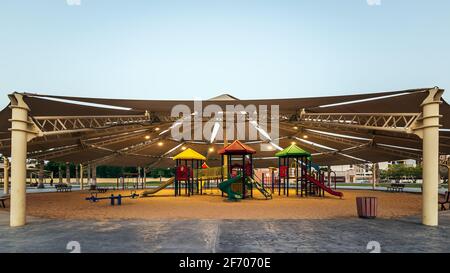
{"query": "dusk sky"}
(199, 49)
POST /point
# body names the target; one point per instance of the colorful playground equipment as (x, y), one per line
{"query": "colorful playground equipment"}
(241, 179)
(236, 177)
(186, 162)
(296, 163)
(163, 185)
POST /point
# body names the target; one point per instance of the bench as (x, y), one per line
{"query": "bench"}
(396, 187)
(98, 190)
(444, 200)
(3, 199)
(63, 187)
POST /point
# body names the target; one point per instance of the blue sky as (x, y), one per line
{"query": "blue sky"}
(199, 49)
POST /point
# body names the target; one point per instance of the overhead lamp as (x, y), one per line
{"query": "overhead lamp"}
(160, 143)
(147, 137)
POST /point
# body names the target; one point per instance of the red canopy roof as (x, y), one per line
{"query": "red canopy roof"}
(236, 148)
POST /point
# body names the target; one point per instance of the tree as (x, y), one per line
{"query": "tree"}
(401, 171)
(415, 173)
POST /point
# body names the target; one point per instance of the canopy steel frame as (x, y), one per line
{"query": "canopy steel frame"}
(396, 122)
(50, 125)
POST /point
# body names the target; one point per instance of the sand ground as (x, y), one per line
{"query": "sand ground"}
(164, 205)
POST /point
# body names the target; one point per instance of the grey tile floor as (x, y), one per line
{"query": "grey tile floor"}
(338, 235)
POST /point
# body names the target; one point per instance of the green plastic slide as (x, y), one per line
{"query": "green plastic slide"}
(225, 186)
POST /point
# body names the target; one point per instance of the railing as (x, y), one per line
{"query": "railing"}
(210, 173)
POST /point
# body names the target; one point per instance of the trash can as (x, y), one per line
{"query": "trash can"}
(367, 207)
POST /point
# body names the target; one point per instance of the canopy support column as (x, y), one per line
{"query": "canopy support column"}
(89, 176)
(77, 175)
(144, 178)
(81, 177)
(67, 173)
(374, 176)
(138, 178)
(22, 130)
(41, 174)
(60, 178)
(94, 175)
(5, 175)
(429, 131)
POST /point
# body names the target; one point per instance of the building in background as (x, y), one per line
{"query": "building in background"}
(363, 173)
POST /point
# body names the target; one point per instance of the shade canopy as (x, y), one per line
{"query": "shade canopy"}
(237, 148)
(293, 151)
(335, 130)
(189, 154)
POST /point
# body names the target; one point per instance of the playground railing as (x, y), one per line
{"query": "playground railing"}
(210, 173)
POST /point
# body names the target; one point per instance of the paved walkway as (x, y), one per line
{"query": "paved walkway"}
(341, 235)
(406, 189)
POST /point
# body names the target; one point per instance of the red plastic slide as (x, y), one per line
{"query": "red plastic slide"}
(323, 186)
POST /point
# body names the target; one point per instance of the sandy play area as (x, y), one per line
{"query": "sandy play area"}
(72, 205)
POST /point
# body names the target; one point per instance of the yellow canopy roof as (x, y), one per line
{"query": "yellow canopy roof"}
(189, 154)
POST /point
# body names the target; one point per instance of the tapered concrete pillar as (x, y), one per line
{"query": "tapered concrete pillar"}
(41, 174)
(81, 177)
(77, 175)
(20, 130)
(139, 177)
(5, 175)
(68, 173)
(60, 176)
(374, 175)
(94, 174)
(145, 178)
(89, 176)
(430, 136)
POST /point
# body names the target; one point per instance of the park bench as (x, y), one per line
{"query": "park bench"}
(3, 199)
(396, 187)
(444, 200)
(98, 190)
(63, 187)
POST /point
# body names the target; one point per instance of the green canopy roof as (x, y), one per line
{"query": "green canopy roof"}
(293, 151)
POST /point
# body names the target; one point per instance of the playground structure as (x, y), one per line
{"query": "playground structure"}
(296, 163)
(162, 186)
(185, 177)
(210, 177)
(195, 176)
(240, 174)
